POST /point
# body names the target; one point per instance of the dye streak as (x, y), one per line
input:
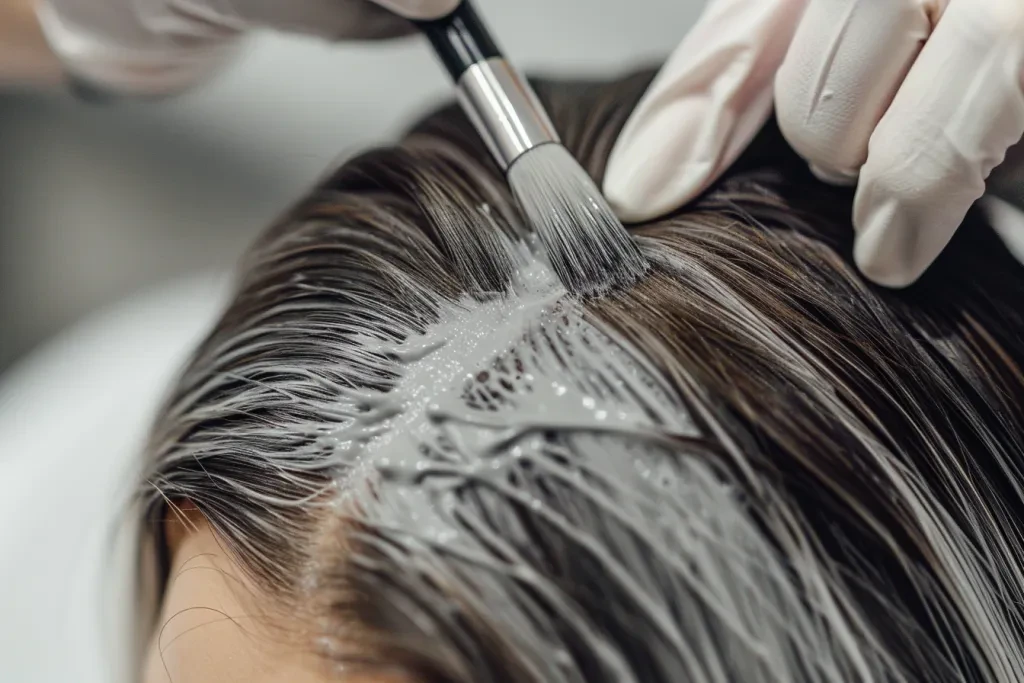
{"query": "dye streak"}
(520, 407)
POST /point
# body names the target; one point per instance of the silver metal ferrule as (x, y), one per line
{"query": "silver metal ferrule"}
(504, 110)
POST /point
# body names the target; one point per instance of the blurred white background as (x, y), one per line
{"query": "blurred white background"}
(100, 201)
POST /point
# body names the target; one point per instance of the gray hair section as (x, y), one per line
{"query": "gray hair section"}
(748, 467)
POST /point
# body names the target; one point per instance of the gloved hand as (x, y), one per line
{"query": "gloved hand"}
(160, 46)
(920, 99)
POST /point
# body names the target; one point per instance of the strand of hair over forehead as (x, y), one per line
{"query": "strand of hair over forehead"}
(656, 552)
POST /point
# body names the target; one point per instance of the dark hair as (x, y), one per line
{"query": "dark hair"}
(811, 478)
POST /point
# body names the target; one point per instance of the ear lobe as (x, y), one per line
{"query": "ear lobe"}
(182, 518)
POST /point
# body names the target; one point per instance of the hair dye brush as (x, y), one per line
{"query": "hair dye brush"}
(587, 245)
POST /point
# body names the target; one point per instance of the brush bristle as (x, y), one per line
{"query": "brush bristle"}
(587, 245)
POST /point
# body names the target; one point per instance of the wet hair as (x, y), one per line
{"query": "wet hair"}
(783, 473)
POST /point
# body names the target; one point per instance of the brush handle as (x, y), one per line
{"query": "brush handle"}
(460, 40)
(497, 99)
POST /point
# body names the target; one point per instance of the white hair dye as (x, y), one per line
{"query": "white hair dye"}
(474, 398)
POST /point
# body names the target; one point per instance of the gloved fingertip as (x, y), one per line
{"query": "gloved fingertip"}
(876, 271)
(627, 205)
(884, 251)
(909, 204)
(643, 191)
(834, 176)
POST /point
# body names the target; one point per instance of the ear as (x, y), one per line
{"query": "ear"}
(181, 518)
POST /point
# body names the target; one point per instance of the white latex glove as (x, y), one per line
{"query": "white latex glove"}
(920, 99)
(160, 46)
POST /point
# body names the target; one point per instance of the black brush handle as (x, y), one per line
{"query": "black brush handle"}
(499, 102)
(460, 39)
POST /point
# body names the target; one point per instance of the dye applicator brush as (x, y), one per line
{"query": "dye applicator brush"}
(587, 245)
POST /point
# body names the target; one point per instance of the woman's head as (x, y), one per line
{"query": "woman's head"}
(405, 452)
